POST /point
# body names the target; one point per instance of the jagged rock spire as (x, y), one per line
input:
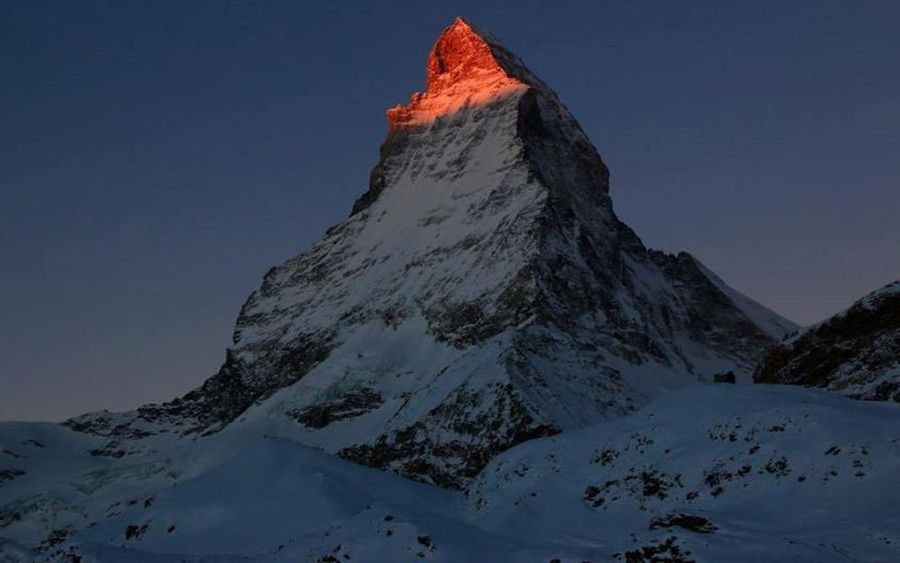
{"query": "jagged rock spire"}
(466, 67)
(460, 54)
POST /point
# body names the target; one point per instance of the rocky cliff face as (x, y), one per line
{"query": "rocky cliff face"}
(856, 353)
(482, 292)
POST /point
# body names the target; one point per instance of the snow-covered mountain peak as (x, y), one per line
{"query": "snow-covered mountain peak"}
(461, 53)
(466, 67)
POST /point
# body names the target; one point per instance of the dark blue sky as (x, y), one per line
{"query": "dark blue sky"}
(157, 157)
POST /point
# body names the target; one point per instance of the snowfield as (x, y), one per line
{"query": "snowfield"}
(731, 472)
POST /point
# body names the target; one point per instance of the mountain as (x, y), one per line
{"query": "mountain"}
(482, 293)
(537, 384)
(855, 353)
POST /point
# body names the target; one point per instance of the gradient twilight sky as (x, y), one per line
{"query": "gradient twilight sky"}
(156, 158)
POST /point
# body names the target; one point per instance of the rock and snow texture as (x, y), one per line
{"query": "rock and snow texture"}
(856, 352)
(733, 473)
(707, 473)
(482, 293)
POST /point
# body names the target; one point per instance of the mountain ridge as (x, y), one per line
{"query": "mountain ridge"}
(856, 352)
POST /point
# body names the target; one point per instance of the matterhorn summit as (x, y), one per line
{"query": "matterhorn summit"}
(464, 69)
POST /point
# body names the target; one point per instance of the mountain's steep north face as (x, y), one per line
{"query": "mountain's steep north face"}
(482, 293)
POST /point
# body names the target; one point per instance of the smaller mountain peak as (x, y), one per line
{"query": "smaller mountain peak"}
(466, 67)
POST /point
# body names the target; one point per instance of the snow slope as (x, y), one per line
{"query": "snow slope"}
(771, 322)
(781, 474)
(775, 473)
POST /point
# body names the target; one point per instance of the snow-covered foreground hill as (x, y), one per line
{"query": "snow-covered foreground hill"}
(705, 473)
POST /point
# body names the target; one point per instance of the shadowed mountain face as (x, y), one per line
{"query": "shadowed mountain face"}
(856, 353)
(482, 293)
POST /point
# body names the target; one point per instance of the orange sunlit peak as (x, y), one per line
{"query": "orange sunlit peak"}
(463, 70)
